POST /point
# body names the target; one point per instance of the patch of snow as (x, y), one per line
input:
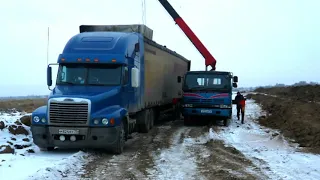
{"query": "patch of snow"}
(6, 136)
(23, 164)
(70, 167)
(177, 162)
(268, 148)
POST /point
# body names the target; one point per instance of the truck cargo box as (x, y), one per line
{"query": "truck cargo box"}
(139, 28)
(162, 67)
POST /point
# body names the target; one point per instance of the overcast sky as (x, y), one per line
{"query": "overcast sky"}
(262, 41)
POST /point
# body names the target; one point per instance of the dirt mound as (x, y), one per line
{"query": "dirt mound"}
(6, 149)
(20, 105)
(15, 135)
(308, 93)
(290, 113)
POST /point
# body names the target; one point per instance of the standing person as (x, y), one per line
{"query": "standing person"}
(240, 102)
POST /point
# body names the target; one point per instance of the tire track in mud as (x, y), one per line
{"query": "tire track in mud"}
(173, 151)
(215, 160)
(136, 159)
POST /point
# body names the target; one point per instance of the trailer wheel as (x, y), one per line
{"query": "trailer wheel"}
(144, 121)
(118, 149)
(152, 118)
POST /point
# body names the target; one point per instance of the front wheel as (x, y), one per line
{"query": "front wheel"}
(226, 122)
(121, 140)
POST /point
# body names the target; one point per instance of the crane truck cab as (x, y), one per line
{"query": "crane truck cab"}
(208, 93)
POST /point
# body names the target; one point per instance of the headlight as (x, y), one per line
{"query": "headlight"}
(96, 121)
(188, 105)
(43, 120)
(105, 121)
(36, 119)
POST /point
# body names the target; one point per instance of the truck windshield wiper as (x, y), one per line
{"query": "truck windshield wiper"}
(93, 84)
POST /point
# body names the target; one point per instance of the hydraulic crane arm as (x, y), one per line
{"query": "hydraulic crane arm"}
(209, 59)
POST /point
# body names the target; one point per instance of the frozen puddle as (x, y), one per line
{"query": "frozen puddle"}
(280, 160)
(176, 163)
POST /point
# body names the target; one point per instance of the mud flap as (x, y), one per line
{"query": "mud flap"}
(144, 121)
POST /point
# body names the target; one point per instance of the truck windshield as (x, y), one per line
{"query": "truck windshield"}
(221, 83)
(89, 74)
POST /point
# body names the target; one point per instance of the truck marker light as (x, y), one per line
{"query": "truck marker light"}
(112, 121)
(36, 119)
(79, 59)
(96, 121)
(63, 59)
(113, 60)
(96, 60)
(87, 60)
(105, 121)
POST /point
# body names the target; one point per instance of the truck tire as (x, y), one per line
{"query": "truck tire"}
(47, 149)
(118, 149)
(152, 118)
(226, 122)
(144, 121)
(187, 120)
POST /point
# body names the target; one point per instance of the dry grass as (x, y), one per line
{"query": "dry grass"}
(295, 111)
(27, 105)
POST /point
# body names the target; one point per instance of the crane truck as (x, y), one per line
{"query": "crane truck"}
(206, 93)
(112, 80)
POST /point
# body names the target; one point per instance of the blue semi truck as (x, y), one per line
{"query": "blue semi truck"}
(111, 81)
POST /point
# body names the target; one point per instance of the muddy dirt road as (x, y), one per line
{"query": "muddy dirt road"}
(173, 151)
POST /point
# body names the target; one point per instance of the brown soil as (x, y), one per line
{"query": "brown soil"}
(302, 93)
(137, 162)
(27, 105)
(7, 149)
(291, 111)
(221, 161)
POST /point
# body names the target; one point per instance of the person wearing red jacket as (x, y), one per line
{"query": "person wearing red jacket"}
(240, 101)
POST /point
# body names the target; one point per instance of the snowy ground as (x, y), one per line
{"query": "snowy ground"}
(30, 162)
(268, 149)
(171, 151)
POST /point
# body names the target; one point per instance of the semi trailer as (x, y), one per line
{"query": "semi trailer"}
(112, 80)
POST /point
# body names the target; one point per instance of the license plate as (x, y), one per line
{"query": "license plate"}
(68, 131)
(206, 111)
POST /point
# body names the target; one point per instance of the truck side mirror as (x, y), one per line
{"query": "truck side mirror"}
(137, 47)
(49, 76)
(235, 79)
(179, 79)
(135, 77)
(235, 85)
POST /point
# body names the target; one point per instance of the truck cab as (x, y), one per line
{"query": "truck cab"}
(208, 93)
(97, 87)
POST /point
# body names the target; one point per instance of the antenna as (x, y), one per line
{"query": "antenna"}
(48, 46)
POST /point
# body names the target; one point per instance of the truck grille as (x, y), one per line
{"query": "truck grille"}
(205, 101)
(68, 113)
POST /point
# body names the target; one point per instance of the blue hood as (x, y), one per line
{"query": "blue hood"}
(100, 96)
(211, 98)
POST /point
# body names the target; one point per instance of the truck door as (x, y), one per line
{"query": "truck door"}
(125, 88)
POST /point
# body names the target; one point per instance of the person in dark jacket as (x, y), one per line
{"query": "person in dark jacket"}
(240, 102)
